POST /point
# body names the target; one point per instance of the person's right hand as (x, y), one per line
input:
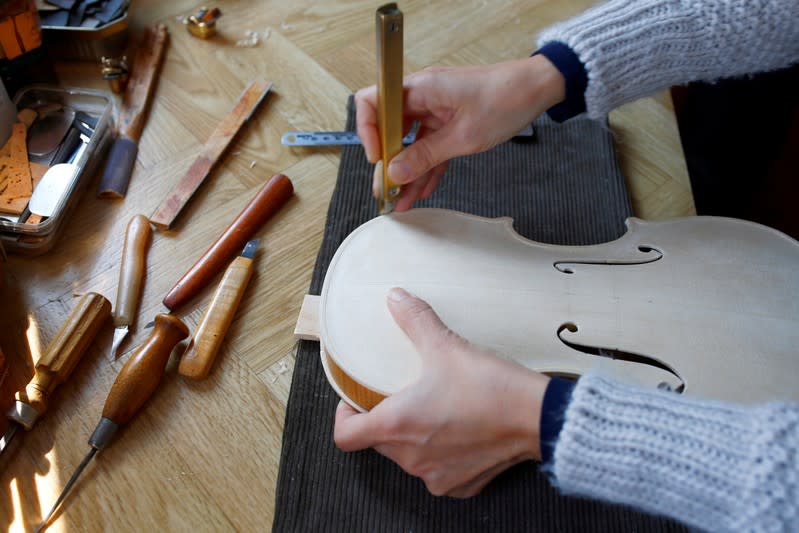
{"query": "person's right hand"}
(461, 111)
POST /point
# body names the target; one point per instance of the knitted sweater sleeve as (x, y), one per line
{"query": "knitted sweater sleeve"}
(712, 465)
(633, 48)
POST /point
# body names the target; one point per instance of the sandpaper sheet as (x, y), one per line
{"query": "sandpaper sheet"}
(564, 188)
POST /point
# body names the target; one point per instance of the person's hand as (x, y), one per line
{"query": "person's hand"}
(471, 415)
(461, 111)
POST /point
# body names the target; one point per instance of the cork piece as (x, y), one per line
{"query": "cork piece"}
(16, 185)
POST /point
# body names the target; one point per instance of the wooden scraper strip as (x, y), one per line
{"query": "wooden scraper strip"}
(169, 209)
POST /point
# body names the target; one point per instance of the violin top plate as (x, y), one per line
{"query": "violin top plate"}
(707, 304)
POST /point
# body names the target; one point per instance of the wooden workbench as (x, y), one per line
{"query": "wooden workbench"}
(203, 456)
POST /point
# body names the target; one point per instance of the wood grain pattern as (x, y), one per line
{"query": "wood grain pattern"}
(245, 106)
(203, 456)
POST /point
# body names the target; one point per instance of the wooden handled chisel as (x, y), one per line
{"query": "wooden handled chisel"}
(208, 337)
(134, 385)
(56, 364)
(389, 24)
(122, 156)
(131, 276)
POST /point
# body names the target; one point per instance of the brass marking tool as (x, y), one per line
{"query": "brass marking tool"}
(389, 97)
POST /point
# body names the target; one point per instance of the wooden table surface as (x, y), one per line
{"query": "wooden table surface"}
(204, 456)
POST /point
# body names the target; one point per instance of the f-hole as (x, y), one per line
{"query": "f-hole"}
(621, 355)
(650, 256)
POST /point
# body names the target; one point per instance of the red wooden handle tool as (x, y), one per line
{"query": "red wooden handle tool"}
(269, 199)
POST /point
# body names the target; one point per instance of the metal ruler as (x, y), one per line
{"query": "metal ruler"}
(342, 138)
(329, 138)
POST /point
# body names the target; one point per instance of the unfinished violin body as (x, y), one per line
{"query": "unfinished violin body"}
(701, 305)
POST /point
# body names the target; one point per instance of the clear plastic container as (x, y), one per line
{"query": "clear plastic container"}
(38, 238)
(8, 114)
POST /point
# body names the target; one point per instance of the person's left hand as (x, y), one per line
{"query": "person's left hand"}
(471, 415)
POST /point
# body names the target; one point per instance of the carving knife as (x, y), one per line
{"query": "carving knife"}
(131, 275)
(202, 350)
(389, 25)
(56, 364)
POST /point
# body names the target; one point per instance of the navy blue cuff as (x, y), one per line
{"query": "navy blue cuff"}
(556, 399)
(573, 70)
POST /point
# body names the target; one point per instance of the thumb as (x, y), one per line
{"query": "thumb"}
(417, 319)
(421, 156)
(352, 430)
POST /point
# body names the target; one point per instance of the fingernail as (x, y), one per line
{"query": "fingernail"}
(397, 295)
(399, 171)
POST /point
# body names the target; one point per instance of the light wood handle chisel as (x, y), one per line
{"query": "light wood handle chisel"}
(131, 277)
(389, 26)
(200, 355)
(58, 361)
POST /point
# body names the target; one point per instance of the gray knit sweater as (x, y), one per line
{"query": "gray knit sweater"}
(712, 465)
(633, 48)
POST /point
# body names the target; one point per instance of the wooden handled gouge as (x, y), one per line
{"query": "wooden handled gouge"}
(389, 25)
(202, 350)
(56, 364)
(131, 275)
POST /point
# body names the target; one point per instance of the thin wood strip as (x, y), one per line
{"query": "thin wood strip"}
(307, 326)
(248, 102)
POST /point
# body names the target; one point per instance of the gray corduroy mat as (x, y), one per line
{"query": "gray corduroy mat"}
(564, 188)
